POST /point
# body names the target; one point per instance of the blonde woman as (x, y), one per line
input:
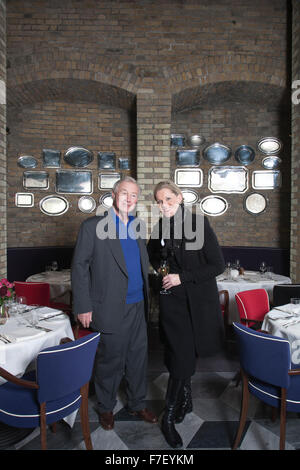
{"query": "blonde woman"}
(190, 316)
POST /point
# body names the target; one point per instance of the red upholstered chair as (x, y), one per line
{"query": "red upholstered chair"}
(252, 305)
(39, 293)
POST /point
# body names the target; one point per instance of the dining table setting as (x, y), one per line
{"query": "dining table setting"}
(235, 279)
(284, 321)
(26, 331)
(59, 282)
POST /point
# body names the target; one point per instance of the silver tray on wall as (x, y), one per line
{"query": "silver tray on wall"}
(217, 153)
(24, 199)
(107, 180)
(228, 179)
(271, 162)
(106, 160)
(51, 158)
(78, 157)
(268, 179)
(177, 140)
(54, 205)
(214, 205)
(106, 200)
(244, 154)
(269, 145)
(255, 203)
(74, 182)
(188, 157)
(189, 196)
(124, 164)
(38, 180)
(189, 177)
(27, 161)
(87, 204)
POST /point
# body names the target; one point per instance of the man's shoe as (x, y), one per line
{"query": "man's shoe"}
(145, 415)
(107, 420)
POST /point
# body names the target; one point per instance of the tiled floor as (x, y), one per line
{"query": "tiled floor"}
(211, 425)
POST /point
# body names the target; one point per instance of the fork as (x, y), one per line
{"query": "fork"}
(4, 339)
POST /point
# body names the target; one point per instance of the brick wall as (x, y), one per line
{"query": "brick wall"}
(2, 139)
(213, 67)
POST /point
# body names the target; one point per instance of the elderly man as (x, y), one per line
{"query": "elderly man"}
(110, 291)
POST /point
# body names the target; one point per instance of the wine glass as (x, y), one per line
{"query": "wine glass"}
(164, 270)
(54, 266)
(237, 264)
(263, 267)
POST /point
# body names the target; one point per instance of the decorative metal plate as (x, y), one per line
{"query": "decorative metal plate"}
(107, 180)
(51, 158)
(189, 177)
(78, 157)
(188, 157)
(189, 196)
(27, 161)
(87, 204)
(271, 163)
(74, 182)
(214, 205)
(244, 154)
(177, 140)
(106, 160)
(216, 154)
(54, 205)
(24, 199)
(106, 200)
(196, 140)
(269, 145)
(36, 180)
(255, 203)
(228, 179)
(124, 164)
(266, 179)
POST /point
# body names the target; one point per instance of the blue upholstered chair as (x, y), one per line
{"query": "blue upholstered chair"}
(58, 387)
(266, 373)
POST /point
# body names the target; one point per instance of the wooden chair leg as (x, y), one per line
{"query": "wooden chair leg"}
(244, 411)
(43, 426)
(84, 417)
(282, 419)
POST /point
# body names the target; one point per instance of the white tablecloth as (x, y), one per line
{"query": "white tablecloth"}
(249, 281)
(16, 357)
(277, 324)
(60, 284)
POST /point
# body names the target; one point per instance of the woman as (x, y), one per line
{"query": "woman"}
(190, 317)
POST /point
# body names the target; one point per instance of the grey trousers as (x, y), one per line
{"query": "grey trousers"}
(123, 354)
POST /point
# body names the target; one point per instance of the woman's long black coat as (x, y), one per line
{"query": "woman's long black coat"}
(198, 277)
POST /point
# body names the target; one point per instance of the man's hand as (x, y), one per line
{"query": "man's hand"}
(85, 319)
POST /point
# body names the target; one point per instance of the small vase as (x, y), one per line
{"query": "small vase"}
(3, 314)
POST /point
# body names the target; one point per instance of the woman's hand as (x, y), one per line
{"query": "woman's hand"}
(85, 319)
(171, 280)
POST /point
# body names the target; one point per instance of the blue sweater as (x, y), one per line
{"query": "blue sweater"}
(132, 258)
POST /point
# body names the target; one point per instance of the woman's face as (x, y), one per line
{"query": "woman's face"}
(168, 201)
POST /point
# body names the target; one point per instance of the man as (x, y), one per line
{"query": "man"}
(110, 291)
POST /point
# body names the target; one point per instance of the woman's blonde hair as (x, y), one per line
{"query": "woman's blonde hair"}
(167, 185)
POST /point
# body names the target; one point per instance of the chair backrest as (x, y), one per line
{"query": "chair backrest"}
(263, 356)
(282, 293)
(65, 368)
(36, 293)
(253, 304)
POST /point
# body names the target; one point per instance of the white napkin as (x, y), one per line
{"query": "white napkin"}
(22, 334)
(284, 311)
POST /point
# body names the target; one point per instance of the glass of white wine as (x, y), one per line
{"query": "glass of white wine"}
(164, 270)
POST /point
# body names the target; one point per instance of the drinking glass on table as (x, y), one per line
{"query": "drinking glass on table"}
(164, 270)
(263, 267)
(54, 266)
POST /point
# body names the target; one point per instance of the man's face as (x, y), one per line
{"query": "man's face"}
(126, 198)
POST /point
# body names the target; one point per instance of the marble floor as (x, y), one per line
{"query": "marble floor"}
(211, 426)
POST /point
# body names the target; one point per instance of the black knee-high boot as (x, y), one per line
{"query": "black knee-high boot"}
(173, 398)
(186, 405)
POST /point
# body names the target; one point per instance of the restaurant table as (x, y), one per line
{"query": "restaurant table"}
(248, 281)
(284, 321)
(20, 353)
(60, 284)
